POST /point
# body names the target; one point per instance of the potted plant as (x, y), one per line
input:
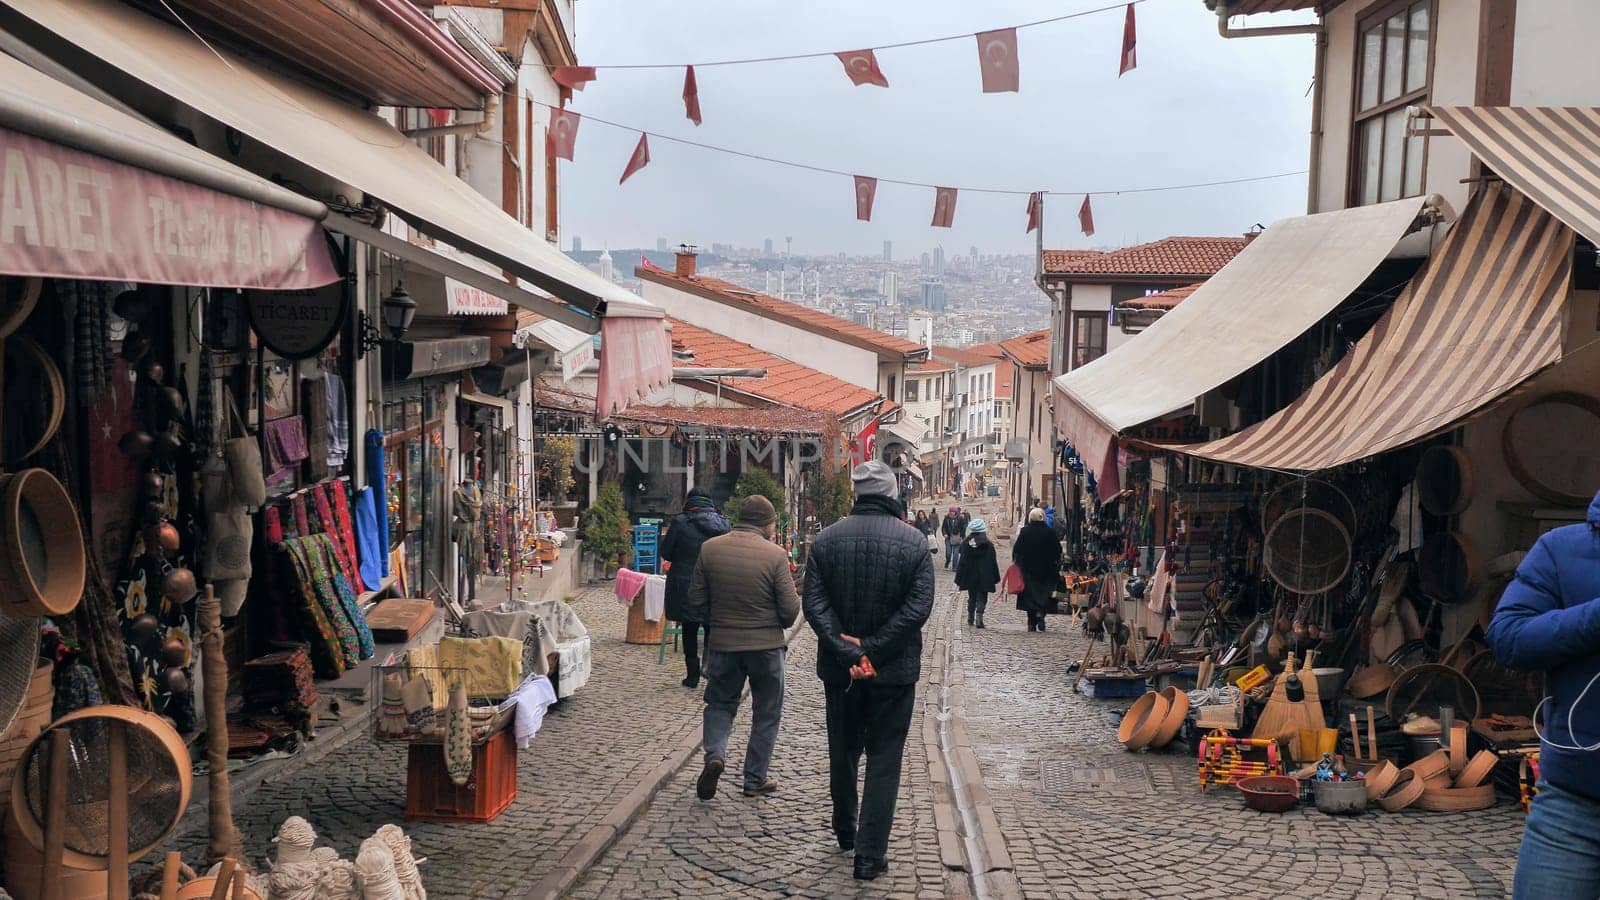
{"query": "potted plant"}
(555, 478)
(759, 481)
(605, 531)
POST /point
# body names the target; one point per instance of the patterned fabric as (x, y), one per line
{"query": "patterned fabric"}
(327, 595)
(347, 534)
(338, 421)
(324, 549)
(327, 652)
(286, 443)
(272, 525)
(302, 520)
(493, 665)
(458, 736)
(330, 528)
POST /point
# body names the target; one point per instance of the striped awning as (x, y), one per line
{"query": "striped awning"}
(1482, 316)
(1552, 154)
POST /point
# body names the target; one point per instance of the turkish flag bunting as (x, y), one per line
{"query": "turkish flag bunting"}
(1129, 42)
(563, 133)
(862, 67)
(691, 96)
(997, 55)
(1035, 209)
(944, 207)
(1086, 217)
(639, 159)
(866, 191)
(573, 78)
(863, 447)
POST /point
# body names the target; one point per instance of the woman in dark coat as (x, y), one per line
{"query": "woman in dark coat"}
(923, 523)
(1037, 553)
(979, 572)
(680, 549)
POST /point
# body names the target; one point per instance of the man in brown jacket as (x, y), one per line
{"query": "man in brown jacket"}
(744, 593)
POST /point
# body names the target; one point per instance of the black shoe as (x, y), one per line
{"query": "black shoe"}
(868, 868)
(691, 681)
(1041, 626)
(705, 787)
(770, 786)
(847, 842)
(980, 621)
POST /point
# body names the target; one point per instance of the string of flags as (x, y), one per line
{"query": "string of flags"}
(562, 134)
(999, 66)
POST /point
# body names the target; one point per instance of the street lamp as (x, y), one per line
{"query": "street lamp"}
(398, 312)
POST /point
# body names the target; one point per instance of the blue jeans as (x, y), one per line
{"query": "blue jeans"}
(952, 552)
(1560, 855)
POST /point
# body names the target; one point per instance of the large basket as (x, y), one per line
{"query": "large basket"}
(1307, 550)
(640, 629)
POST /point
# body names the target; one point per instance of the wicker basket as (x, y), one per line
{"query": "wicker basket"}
(641, 631)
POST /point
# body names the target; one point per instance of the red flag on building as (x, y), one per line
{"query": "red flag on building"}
(639, 159)
(944, 207)
(866, 191)
(865, 444)
(862, 67)
(1086, 217)
(573, 78)
(691, 96)
(997, 55)
(645, 263)
(1129, 42)
(563, 134)
(439, 116)
(1035, 209)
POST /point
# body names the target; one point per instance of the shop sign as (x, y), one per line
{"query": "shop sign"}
(65, 213)
(1185, 429)
(297, 324)
(464, 299)
(576, 360)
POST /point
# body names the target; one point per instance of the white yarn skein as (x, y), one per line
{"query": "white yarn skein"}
(295, 841)
(375, 868)
(405, 864)
(293, 881)
(338, 882)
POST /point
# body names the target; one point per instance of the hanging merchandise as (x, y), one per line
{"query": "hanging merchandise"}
(369, 538)
(997, 56)
(376, 484)
(944, 207)
(458, 735)
(691, 96)
(1035, 210)
(1086, 222)
(242, 455)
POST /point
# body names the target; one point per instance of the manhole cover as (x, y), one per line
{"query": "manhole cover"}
(1061, 777)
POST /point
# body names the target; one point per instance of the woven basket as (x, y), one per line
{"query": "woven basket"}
(42, 559)
(1381, 779)
(19, 656)
(33, 719)
(641, 631)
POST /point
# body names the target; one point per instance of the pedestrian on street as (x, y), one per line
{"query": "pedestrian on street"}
(923, 523)
(954, 529)
(868, 592)
(743, 591)
(1037, 553)
(979, 572)
(680, 549)
(1548, 620)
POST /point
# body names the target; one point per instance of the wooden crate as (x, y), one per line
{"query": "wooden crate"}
(432, 797)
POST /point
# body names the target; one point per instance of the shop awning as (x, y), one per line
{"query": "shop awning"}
(349, 144)
(1552, 154)
(635, 359)
(1276, 289)
(572, 347)
(1482, 316)
(88, 191)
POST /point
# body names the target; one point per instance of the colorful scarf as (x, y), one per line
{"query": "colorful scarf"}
(327, 654)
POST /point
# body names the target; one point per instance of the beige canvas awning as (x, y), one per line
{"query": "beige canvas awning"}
(349, 144)
(1552, 154)
(1482, 316)
(1276, 289)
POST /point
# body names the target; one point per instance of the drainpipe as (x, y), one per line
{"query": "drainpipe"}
(479, 128)
(1313, 181)
(1266, 31)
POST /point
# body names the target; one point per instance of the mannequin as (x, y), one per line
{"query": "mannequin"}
(466, 529)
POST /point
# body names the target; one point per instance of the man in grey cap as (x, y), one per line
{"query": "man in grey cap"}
(868, 592)
(743, 590)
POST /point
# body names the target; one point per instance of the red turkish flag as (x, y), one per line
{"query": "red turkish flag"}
(639, 159)
(691, 96)
(573, 78)
(562, 135)
(1035, 209)
(862, 67)
(997, 55)
(1086, 218)
(944, 207)
(1129, 42)
(866, 191)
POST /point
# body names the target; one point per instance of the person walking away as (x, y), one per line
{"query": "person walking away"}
(868, 592)
(1548, 620)
(680, 549)
(743, 591)
(1038, 554)
(979, 572)
(954, 529)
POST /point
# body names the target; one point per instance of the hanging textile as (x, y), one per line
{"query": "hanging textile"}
(327, 651)
(368, 539)
(347, 535)
(375, 482)
(338, 421)
(326, 568)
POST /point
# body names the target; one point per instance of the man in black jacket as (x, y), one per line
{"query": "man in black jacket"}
(868, 592)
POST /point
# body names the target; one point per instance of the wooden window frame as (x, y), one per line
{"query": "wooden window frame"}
(1080, 316)
(1378, 13)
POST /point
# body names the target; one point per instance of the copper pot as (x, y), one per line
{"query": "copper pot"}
(174, 652)
(174, 680)
(142, 629)
(154, 371)
(154, 484)
(162, 538)
(179, 585)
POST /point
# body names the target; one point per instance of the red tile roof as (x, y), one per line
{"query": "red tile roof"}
(963, 357)
(788, 383)
(785, 419)
(804, 317)
(1163, 301)
(929, 367)
(1031, 350)
(1166, 257)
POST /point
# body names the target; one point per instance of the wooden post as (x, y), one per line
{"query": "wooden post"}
(55, 815)
(225, 841)
(116, 811)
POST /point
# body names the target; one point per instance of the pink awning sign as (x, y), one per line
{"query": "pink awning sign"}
(65, 213)
(635, 359)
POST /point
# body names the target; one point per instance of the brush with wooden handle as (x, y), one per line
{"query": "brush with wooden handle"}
(1372, 734)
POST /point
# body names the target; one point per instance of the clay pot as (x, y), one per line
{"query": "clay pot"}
(174, 652)
(136, 347)
(143, 629)
(174, 680)
(137, 445)
(167, 538)
(179, 585)
(152, 513)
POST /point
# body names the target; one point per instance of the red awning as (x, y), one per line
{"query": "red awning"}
(635, 359)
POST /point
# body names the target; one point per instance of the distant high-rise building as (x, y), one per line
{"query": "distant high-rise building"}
(934, 298)
(927, 262)
(766, 248)
(890, 288)
(938, 261)
(888, 251)
(608, 269)
(661, 245)
(788, 247)
(973, 255)
(577, 244)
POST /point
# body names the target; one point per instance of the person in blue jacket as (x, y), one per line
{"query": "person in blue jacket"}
(1549, 620)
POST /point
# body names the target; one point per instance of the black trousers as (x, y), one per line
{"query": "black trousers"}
(977, 602)
(873, 719)
(691, 646)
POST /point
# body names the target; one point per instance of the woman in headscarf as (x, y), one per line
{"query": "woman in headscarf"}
(680, 550)
(1037, 553)
(978, 573)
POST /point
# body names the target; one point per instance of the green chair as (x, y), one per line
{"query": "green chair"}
(670, 630)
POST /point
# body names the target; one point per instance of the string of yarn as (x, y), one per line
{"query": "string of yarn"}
(338, 881)
(375, 869)
(296, 839)
(293, 881)
(405, 863)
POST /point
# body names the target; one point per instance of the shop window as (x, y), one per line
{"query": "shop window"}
(1393, 71)
(1088, 337)
(416, 490)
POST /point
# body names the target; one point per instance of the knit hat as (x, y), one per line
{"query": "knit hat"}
(698, 499)
(977, 526)
(875, 478)
(1036, 515)
(954, 510)
(757, 510)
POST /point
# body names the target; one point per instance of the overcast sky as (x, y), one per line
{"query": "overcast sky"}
(1197, 108)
